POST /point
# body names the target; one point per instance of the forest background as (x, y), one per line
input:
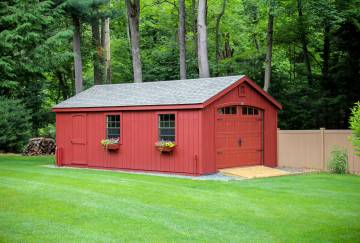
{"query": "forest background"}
(304, 52)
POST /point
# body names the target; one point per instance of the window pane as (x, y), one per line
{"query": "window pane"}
(167, 131)
(112, 126)
(167, 138)
(228, 110)
(244, 110)
(113, 130)
(250, 111)
(167, 127)
(112, 136)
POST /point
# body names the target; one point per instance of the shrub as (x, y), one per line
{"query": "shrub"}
(49, 131)
(338, 161)
(14, 125)
(355, 127)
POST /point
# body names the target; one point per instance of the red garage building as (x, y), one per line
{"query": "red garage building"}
(215, 122)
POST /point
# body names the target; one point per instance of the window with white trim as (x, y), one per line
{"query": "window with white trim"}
(166, 127)
(250, 111)
(112, 126)
(228, 110)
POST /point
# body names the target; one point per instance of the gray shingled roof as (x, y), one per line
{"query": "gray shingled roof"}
(189, 91)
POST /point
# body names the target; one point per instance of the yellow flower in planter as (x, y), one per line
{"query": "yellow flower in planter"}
(106, 142)
(165, 146)
(169, 144)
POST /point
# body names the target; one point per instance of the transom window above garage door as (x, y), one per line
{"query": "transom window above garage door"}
(243, 110)
(250, 111)
(228, 110)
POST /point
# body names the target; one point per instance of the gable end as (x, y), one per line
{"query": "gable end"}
(238, 84)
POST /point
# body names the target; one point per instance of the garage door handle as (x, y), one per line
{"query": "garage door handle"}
(240, 141)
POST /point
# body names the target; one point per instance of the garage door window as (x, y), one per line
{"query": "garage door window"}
(228, 110)
(249, 111)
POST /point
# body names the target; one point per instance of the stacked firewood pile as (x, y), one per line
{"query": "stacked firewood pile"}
(40, 146)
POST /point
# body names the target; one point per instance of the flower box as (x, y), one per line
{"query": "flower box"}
(165, 146)
(110, 144)
(112, 147)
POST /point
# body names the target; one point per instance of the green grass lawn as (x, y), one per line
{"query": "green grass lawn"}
(42, 204)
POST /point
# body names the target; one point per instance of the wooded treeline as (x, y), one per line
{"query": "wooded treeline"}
(304, 52)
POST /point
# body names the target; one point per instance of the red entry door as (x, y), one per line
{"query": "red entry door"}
(238, 138)
(78, 139)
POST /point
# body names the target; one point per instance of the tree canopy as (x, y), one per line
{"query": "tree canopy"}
(313, 69)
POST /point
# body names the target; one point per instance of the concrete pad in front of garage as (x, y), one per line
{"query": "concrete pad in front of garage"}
(258, 171)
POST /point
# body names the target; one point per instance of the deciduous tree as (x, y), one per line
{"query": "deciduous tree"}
(217, 35)
(106, 47)
(269, 46)
(182, 43)
(133, 13)
(203, 61)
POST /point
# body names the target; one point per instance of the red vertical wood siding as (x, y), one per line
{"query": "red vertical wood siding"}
(251, 98)
(139, 132)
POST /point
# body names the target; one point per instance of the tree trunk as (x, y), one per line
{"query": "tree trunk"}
(63, 88)
(217, 36)
(228, 51)
(203, 61)
(182, 43)
(98, 55)
(303, 39)
(105, 41)
(194, 25)
(326, 54)
(77, 55)
(133, 12)
(269, 40)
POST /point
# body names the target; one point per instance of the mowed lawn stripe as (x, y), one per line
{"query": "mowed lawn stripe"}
(175, 219)
(93, 205)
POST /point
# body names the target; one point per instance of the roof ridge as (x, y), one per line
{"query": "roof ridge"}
(189, 79)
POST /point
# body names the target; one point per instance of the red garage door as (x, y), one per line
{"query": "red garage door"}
(238, 136)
